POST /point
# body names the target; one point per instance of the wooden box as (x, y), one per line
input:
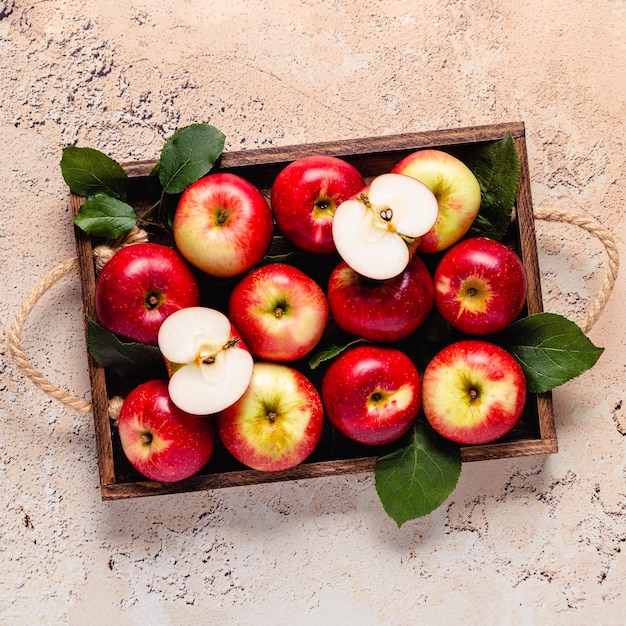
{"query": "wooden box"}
(372, 156)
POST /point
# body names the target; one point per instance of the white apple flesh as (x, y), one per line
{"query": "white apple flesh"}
(209, 365)
(377, 231)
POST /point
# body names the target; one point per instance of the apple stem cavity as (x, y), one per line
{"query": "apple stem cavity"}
(223, 215)
(146, 438)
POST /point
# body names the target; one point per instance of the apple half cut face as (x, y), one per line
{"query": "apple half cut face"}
(377, 231)
(209, 365)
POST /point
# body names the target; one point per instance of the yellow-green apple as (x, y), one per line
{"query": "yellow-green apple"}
(208, 363)
(223, 224)
(160, 441)
(381, 310)
(372, 394)
(473, 391)
(456, 189)
(139, 287)
(480, 286)
(305, 195)
(378, 230)
(280, 311)
(277, 423)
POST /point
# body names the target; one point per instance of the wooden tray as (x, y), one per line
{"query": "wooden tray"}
(536, 431)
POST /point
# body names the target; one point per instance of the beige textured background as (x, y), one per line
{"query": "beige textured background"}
(527, 541)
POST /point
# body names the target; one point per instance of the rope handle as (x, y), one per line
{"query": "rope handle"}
(70, 265)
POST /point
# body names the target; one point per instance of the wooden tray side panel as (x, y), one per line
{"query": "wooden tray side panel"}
(99, 397)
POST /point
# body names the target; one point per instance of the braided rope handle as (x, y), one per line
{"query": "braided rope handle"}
(70, 265)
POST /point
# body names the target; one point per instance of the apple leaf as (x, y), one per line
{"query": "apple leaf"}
(416, 479)
(330, 351)
(122, 357)
(188, 155)
(88, 171)
(551, 350)
(104, 216)
(497, 169)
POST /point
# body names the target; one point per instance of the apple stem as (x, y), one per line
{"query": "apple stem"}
(231, 343)
(271, 416)
(223, 216)
(473, 394)
(146, 438)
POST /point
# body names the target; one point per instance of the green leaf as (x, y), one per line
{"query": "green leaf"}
(122, 357)
(416, 479)
(188, 155)
(551, 350)
(104, 216)
(88, 171)
(330, 351)
(497, 169)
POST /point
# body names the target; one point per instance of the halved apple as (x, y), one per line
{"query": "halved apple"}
(209, 365)
(377, 231)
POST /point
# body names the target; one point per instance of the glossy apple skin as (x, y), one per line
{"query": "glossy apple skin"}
(372, 394)
(139, 287)
(160, 441)
(304, 197)
(480, 286)
(223, 225)
(473, 392)
(280, 312)
(278, 421)
(457, 192)
(381, 310)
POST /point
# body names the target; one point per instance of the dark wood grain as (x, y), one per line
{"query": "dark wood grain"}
(372, 155)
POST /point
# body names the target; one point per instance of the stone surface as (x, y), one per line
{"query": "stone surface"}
(527, 541)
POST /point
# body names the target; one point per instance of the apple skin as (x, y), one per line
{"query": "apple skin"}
(304, 197)
(223, 225)
(160, 441)
(280, 312)
(457, 192)
(372, 394)
(381, 310)
(473, 392)
(278, 421)
(480, 286)
(139, 287)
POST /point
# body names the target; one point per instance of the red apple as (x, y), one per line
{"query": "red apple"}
(139, 287)
(278, 421)
(280, 312)
(223, 225)
(162, 442)
(473, 392)
(480, 286)
(381, 310)
(305, 195)
(457, 192)
(372, 394)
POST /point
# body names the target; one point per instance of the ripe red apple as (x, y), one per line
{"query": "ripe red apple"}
(139, 287)
(277, 422)
(381, 310)
(305, 195)
(162, 442)
(457, 192)
(480, 286)
(473, 392)
(223, 225)
(280, 312)
(372, 394)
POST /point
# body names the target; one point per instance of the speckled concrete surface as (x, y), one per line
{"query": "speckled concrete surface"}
(533, 540)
